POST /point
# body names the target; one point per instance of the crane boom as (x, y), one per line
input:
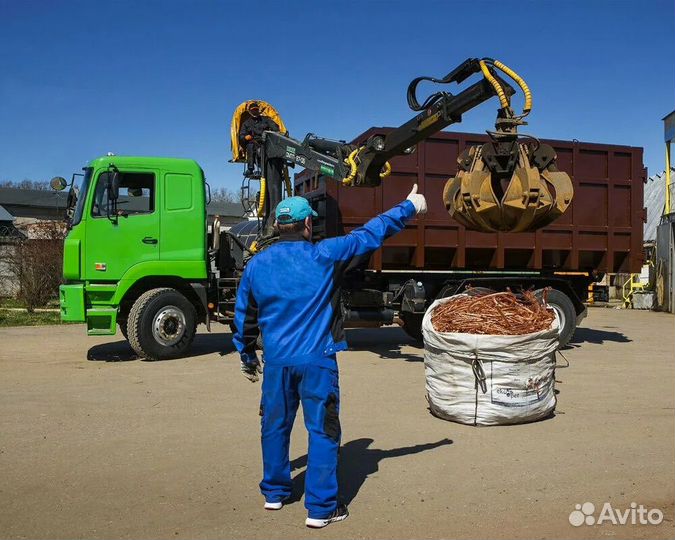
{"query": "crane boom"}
(504, 185)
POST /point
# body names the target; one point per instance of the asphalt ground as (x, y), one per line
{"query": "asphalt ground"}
(95, 443)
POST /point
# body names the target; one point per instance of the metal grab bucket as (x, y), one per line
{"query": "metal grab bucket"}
(507, 186)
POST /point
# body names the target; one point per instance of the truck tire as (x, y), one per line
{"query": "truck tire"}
(412, 324)
(564, 307)
(162, 324)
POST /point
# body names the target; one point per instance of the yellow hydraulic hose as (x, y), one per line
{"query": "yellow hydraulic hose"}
(503, 100)
(351, 161)
(353, 166)
(263, 189)
(523, 85)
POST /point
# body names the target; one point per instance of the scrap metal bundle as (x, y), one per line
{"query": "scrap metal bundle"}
(488, 380)
(500, 313)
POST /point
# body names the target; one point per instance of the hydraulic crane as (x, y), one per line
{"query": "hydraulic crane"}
(509, 184)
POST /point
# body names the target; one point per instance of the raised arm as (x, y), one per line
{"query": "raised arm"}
(372, 235)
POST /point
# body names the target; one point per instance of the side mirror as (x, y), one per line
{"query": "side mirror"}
(114, 187)
(58, 183)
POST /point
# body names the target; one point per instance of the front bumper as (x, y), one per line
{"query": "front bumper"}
(72, 303)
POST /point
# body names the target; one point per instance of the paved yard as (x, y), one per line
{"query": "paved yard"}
(97, 444)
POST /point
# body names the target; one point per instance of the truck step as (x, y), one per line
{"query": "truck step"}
(101, 321)
(100, 294)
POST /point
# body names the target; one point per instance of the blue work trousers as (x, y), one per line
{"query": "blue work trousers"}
(283, 388)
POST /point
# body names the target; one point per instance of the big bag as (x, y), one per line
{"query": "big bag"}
(489, 380)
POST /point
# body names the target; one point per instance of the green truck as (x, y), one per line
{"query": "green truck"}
(136, 253)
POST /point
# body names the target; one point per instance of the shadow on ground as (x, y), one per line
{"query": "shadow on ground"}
(596, 336)
(121, 351)
(386, 342)
(357, 462)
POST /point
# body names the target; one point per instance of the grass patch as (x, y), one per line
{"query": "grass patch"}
(14, 303)
(10, 303)
(23, 318)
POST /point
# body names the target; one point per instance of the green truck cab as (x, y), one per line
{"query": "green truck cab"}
(136, 253)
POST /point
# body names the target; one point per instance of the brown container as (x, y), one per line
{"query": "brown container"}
(601, 230)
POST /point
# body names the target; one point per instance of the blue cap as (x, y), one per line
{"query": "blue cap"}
(293, 209)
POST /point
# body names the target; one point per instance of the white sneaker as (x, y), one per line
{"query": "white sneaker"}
(273, 505)
(340, 514)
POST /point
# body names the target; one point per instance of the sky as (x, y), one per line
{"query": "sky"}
(79, 79)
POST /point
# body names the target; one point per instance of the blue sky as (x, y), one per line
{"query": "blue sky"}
(78, 79)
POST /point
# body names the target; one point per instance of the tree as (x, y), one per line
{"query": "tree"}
(35, 260)
(224, 195)
(26, 184)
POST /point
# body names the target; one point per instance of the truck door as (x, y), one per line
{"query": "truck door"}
(115, 243)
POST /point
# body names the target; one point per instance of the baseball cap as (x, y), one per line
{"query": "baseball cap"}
(293, 209)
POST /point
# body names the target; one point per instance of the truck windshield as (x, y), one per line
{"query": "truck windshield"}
(81, 195)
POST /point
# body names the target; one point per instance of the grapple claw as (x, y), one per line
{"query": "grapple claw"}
(505, 187)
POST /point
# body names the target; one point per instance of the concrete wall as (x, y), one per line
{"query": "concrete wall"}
(8, 283)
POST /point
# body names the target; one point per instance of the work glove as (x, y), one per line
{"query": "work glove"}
(251, 369)
(418, 200)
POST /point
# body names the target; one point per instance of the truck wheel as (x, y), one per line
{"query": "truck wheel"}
(566, 313)
(162, 324)
(412, 324)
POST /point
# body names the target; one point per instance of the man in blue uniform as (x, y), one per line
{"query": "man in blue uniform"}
(290, 293)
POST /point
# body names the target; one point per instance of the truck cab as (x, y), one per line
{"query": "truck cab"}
(136, 252)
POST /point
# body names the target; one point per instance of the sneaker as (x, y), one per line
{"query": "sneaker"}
(340, 514)
(273, 505)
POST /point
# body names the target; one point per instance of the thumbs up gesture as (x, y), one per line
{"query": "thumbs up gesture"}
(418, 200)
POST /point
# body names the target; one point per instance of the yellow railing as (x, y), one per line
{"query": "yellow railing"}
(629, 288)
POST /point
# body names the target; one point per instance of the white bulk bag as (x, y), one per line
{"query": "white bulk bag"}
(489, 379)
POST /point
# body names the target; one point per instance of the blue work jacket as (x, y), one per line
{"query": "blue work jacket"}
(291, 293)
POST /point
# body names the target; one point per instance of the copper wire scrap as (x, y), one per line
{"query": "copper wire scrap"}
(499, 313)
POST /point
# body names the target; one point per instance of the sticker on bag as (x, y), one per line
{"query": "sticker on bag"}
(511, 386)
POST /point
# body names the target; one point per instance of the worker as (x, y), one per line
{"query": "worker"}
(290, 293)
(250, 134)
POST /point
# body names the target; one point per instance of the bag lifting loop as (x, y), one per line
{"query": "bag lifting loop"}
(479, 373)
